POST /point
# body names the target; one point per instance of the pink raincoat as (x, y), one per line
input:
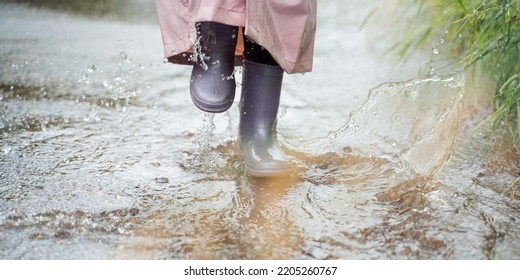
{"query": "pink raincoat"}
(286, 28)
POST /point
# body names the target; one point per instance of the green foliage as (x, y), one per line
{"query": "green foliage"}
(480, 34)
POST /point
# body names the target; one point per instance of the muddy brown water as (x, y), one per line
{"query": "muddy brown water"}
(103, 156)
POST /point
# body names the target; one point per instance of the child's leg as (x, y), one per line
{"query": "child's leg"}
(212, 84)
(257, 53)
(261, 87)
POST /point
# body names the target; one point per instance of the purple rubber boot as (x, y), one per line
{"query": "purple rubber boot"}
(259, 102)
(212, 84)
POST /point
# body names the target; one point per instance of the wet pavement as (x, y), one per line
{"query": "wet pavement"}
(103, 155)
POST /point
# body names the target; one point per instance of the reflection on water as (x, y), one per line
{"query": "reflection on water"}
(104, 156)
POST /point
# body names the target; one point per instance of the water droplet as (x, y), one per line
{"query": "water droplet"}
(397, 118)
(283, 113)
(435, 50)
(7, 148)
(91, 68)
(162, 180)
(123, 55)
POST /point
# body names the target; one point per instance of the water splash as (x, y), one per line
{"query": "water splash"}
(203, 160)
(413, 124)
(75, 189)
(206, 134)
(198, 56)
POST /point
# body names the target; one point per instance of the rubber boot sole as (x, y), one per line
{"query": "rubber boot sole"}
(211, 107)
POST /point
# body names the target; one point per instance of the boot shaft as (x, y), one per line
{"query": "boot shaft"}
(260, 98)
(217, 35)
